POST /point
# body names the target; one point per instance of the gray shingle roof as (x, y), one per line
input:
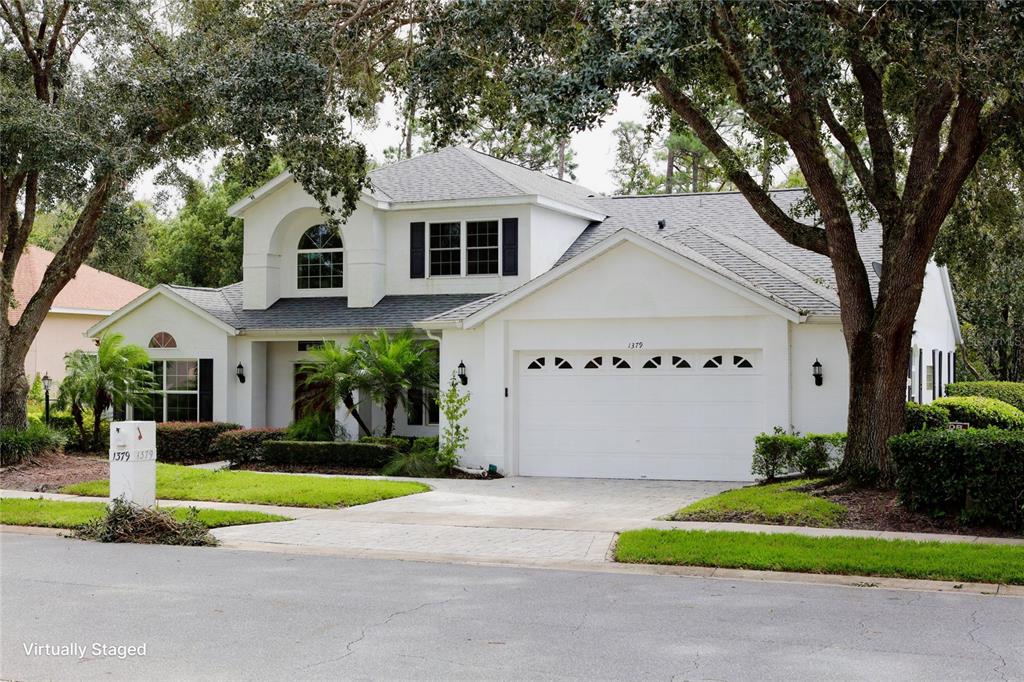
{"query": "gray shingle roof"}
(723, 231)
(462, 173)
(322, 312)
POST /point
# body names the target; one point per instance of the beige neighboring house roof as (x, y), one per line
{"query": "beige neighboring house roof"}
(91, 291)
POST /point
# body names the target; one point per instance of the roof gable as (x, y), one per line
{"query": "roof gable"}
(476, 312)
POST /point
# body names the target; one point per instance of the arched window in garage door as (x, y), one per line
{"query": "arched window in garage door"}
(741, 362)
(713, 362)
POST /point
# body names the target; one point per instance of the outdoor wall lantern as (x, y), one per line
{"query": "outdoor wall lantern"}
(816, 372)
(240, 373)
(462, 373)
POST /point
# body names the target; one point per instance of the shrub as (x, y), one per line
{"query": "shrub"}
(126, 522)
(316, 426)
(981, 413)
(1011, 392)
(326, 453)
(421, 463)
(189, 441)
(976, 475)
(454, 406)
(16, 444)
(239, 446)
(820, 451)
(396, 443)
(918, 416)
(775, 454)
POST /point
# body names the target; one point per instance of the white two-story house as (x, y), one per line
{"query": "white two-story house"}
(617, 337)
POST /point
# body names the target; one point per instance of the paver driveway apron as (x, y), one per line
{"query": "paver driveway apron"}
(533, 519)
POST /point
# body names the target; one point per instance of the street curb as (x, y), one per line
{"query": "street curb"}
(851, 581)
(33, 530)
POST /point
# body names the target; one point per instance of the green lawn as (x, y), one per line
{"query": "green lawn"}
(65, 514)
(841, 555)
(775, 503)
(175, 482)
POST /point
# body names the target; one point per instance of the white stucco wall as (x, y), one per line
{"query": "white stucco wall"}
(196, 338)
(551, 233)
(933, 331)
(625, 296)
(818, 409)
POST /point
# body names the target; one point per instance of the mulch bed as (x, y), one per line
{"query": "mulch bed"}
(48, 473)
(873, 509)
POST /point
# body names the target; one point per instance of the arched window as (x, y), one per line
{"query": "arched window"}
(320, 259)
(741, 362)
(562, 363)
(162, 340)
(538, 363)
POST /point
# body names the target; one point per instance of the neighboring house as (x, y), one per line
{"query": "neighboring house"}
(633, 337)
(88, 298)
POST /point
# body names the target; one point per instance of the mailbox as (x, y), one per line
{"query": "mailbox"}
(133, 462)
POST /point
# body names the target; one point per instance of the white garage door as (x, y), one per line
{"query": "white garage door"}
(674, 414)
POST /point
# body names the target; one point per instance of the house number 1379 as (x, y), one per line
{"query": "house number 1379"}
(635, 345)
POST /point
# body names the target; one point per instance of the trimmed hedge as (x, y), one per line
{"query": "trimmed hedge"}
(16, 444)
(396, 443)
(1011, 392)
(326, 453)
(775, 454)
(239, 446)
(189, 441)
(981, 413)
(781, 453)
(919, 416)
(976, 476)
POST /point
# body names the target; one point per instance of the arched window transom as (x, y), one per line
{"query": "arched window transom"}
(321, 259)
(162, 340)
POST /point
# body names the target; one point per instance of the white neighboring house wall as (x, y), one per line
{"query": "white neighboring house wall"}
(935, 340)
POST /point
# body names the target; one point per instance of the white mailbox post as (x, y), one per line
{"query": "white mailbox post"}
(133, 462)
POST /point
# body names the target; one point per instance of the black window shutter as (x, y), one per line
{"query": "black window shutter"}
(417, 250)
(935, 369)
(941, 385)
(206, 389)
(510, 246)
(920, 375)
(952, 366)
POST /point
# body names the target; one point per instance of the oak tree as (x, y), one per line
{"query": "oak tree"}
(912, 93)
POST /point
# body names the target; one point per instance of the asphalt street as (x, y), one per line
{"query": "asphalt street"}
(218, 614)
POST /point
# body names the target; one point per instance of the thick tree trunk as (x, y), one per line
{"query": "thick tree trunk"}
(13, 384)
(389, 414)
(878, 385)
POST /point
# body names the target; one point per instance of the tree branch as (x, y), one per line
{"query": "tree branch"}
(853, 153)
(883, 157)
(66, 261)
(924, 156)
(799, 234)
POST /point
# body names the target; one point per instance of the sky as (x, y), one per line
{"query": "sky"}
(594, 149)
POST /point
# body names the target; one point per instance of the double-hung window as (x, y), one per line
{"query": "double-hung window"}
(445, 249)
(176, 398)
(482, 247)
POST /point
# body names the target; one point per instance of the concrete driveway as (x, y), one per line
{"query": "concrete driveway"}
(532, 520)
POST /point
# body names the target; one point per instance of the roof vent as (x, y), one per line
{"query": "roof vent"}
(661, 224)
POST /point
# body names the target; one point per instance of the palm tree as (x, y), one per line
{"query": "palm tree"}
(388, 366)
(336, 369)
(116, 373)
